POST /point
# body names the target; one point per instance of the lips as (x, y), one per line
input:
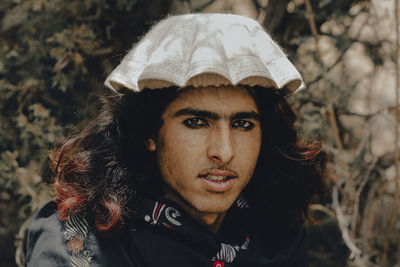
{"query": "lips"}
(218, 175)
(217, 180)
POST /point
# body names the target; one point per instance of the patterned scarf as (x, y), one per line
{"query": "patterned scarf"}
(165, 230)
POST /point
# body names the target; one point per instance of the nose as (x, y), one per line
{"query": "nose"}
(221, 145)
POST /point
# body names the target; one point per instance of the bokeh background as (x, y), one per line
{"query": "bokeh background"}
(55, 55)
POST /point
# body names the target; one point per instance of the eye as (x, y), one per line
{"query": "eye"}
(195, 123)
(243, 124)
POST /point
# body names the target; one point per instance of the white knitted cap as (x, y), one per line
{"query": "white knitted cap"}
(205, 50)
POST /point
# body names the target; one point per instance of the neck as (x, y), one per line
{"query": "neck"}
(212, 221)
(214, 227)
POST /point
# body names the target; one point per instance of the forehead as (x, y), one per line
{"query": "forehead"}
(226, 99)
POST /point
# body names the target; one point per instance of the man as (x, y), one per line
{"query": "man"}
(194, 161)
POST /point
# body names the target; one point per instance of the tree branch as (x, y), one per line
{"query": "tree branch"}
(340, 57)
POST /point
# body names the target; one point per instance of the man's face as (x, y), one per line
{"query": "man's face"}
(207, 148)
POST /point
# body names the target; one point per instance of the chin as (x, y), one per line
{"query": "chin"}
(213, 206)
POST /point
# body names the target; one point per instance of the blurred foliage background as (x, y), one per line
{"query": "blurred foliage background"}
(56, 54)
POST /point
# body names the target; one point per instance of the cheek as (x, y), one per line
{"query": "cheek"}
(185, 143)
(178, 152)
(249, 150)
(256, 146)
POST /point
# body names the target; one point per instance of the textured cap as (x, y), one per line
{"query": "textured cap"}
(205, 50)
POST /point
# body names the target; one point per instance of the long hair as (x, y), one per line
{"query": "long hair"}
(106, 169)
(290, 172)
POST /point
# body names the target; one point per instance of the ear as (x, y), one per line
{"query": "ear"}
(151, 144)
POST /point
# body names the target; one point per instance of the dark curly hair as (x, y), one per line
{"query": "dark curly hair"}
(107, 170)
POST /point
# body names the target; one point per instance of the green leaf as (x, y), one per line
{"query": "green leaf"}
(22, 121)
(39, 110)
(15, 17)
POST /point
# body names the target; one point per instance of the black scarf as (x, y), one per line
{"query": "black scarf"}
(165, 235)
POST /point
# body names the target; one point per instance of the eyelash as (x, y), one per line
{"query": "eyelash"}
(196, 123)
(193, 123)
(243, 124)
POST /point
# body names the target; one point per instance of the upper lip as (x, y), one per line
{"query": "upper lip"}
(218, 172)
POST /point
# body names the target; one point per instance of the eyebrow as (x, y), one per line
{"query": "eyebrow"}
(215, 116)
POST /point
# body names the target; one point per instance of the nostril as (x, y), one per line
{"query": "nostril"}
(215, 157)
(221, 156)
